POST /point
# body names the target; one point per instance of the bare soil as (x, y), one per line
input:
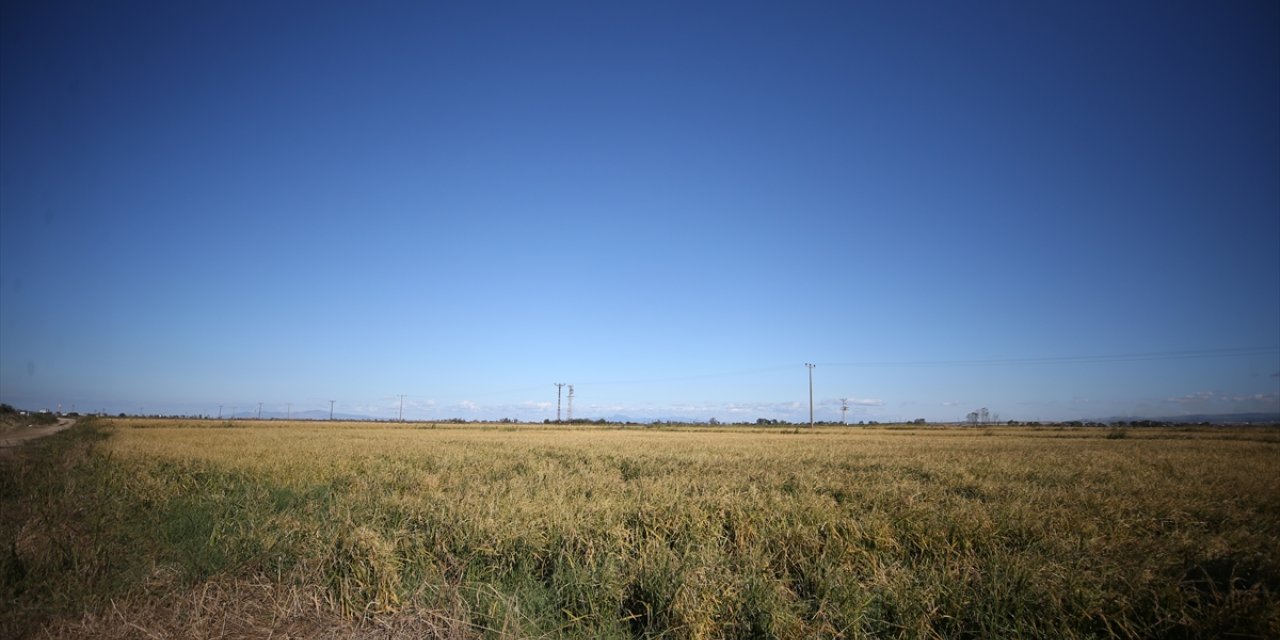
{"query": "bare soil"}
(12, 439)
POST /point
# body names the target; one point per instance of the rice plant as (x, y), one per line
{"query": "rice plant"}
(479, 531)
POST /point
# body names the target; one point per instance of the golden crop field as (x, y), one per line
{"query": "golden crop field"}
(124, 528)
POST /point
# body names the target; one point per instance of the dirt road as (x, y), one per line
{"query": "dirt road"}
(13, 439)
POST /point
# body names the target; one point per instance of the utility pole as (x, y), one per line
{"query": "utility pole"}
(219, 412)
(844, 408)
(402, 407)
(559, 386)
(259, 410)
(331, 411)
(810, 366)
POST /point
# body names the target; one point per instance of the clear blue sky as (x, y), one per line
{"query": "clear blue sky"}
(672, 206)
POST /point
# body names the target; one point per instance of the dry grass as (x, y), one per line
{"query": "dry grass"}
(403, 531)
(248, 608)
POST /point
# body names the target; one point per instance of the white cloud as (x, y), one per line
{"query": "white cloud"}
(853, 402)
(537, 410)
(771, 408)
(1214, 401)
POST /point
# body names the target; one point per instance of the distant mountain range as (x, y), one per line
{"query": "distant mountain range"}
(313, 414)
(323, 414)
(1218, 418)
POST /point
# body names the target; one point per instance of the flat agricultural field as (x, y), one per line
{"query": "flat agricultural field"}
(128, 528)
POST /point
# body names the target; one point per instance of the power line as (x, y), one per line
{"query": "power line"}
(686, 378)
(1089, 359)
(1143, 356)
(1030, 360)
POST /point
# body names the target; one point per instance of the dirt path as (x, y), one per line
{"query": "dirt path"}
(12, 439)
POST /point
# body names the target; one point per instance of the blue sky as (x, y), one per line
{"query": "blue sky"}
(672, 206)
